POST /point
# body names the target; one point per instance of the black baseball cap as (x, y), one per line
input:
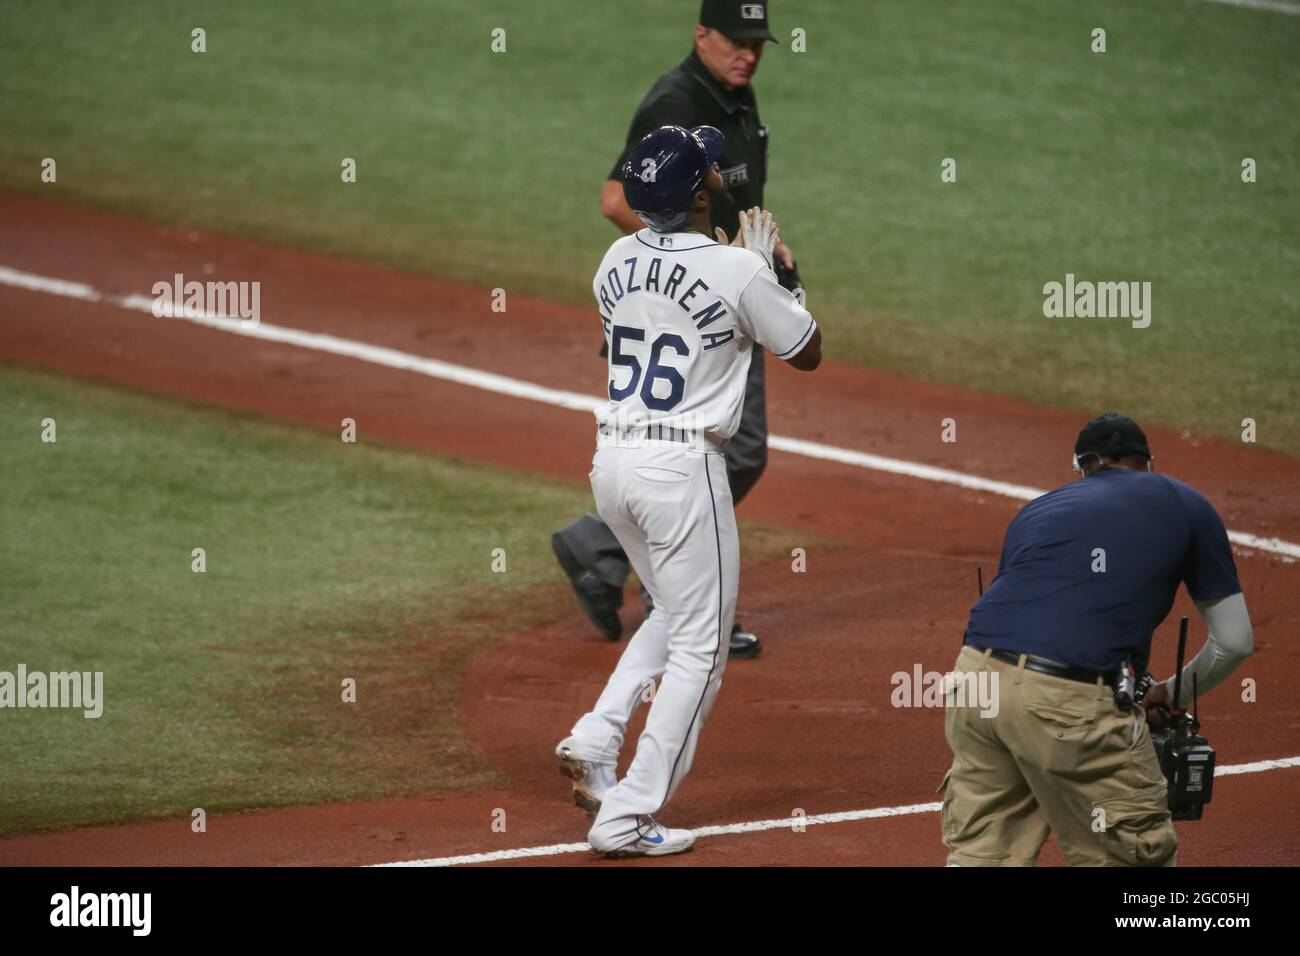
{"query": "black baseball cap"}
(1111, 436)
(740, 21)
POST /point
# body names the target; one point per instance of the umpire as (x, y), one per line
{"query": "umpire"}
(711, 87)
(1088, 572)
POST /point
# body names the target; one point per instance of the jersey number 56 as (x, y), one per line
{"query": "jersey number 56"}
(654, 372)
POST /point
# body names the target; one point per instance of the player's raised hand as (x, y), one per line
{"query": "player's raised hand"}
(759, 233)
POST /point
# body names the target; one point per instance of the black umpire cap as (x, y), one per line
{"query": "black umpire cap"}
(1111, 436)
(740, 21)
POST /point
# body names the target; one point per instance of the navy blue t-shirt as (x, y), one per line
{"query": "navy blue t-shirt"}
(1048, 600)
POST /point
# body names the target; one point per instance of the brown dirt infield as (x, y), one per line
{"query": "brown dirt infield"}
(809, 725)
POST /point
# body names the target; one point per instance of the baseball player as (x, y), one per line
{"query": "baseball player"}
(711, 87)
(1088, 572)
(682, 312)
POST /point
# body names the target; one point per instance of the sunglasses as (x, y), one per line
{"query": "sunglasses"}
(1076, 462)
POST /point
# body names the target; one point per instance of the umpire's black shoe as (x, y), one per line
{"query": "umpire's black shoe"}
(599, 600)
(743, 644)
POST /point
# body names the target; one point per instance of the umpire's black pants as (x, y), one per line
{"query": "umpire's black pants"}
(594, 545)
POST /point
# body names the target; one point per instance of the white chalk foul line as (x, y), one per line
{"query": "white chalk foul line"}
(1259, 766)
(503, 385)
(912, 469)
(785, 823)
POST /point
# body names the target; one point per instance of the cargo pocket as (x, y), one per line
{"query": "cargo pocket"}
(945, 811)
(1139, 830)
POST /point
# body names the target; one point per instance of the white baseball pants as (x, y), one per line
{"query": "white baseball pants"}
(670, 507)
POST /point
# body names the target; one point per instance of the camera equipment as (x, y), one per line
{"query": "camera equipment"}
(1186, 758)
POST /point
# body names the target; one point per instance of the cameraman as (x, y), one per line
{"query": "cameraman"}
(1088, 571)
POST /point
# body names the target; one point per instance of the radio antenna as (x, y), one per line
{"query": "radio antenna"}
(1178, 674)
(1196, 720)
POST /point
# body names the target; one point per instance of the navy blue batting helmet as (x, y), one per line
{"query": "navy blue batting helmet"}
(665, 169)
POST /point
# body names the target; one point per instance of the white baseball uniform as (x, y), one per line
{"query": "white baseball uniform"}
(681, 313)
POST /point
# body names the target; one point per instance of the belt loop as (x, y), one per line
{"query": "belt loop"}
(1020, 667)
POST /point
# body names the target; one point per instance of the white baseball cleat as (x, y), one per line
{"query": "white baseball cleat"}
(653, 840)
(590, 779)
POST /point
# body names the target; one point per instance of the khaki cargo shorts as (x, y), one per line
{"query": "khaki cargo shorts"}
(1056, 756)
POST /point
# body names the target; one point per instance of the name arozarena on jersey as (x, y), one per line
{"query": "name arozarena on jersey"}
(623, 280)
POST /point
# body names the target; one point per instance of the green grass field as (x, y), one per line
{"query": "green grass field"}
(325, 560)
(223, 689)
(485, 167)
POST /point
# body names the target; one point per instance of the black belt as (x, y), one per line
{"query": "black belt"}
(1044, 666)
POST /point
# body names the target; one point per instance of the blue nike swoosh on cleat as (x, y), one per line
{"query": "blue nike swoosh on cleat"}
(655, 840)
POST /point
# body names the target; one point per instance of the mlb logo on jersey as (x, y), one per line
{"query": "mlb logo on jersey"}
(665, 241)
(752, 11)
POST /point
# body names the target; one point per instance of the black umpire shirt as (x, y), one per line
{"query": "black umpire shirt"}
(689, 96)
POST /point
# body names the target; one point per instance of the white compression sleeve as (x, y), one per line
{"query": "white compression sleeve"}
(1230, 642)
